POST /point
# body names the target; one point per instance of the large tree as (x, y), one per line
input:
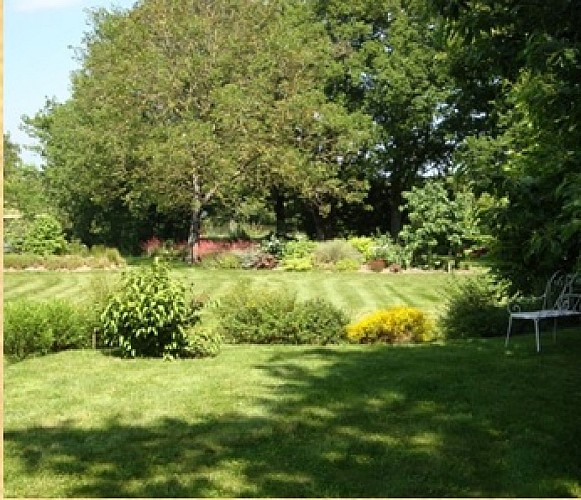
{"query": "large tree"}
(530, 154)
(395, 70)
(185, 105)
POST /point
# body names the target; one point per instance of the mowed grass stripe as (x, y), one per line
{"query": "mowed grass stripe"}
(41, 285)
(354, 292)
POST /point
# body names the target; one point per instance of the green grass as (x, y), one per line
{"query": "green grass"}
(357, 293)
(461, 419)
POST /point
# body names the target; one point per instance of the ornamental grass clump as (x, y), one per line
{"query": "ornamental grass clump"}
(398, 324)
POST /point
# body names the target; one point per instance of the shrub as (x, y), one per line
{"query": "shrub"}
(315, 321)
(365, 245)
(44, 236)
(26, 330)
(150, 315)
(298, 264)
(387, 249)
(251, 315)
(297, 249)
(273, 246)
(204, 342)
(328, 253)
(76, 247)
(348, 265)
(394, 325)
(267, 316)
(151, 246)
(256, 259)
(475, 307)
(40, 327)
(114, 257)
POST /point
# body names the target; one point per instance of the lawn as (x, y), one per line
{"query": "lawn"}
(355, 292)
(457, 418)
(461, 419)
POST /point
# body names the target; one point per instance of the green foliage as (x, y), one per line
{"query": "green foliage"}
(24, 186)
(32, 327)
(527, 155)
(267, 316)
(252, 315)
(298, 248)
(439, 224)
(347, 264)
(365, 245)
(297, 255)
(315, 321)
(298, 263)
(204, 342)
(329, 253)
(273, 246)
(26, 330)
(387, 249)
(394, 325)
(44, 236)
(476, 307)
(150, 315)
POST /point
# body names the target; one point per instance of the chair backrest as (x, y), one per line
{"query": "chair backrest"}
(570, 302)
(559, 285)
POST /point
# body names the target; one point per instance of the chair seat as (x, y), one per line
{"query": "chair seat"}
(544, 313)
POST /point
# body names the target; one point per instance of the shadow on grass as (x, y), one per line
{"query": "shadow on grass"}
(465, 419)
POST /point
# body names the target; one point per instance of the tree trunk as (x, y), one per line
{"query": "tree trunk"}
(279, 212)
(319, 224)
(194, 236)
(395, 218)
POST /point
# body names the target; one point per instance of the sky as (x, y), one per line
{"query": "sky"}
(39, 37)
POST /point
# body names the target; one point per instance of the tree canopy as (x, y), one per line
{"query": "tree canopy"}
(328, 110)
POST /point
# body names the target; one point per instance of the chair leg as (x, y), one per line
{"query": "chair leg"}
(555, 330)
(508, 331)
(537, 335)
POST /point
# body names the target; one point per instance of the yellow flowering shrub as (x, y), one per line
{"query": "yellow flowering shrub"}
(393, 325)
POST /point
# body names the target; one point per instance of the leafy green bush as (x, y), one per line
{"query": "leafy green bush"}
(26, 330)
(44, 236)
(296, 249)
(348, 265)
(298, 263)
(328, 253)
(365, 245)
(475, 307)
(273, 246)
(268, 316)
(203, 342)
(150, 315)
(251, 315)
(393, 325)
(32, 327)
(385, 248)
(315, 321)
